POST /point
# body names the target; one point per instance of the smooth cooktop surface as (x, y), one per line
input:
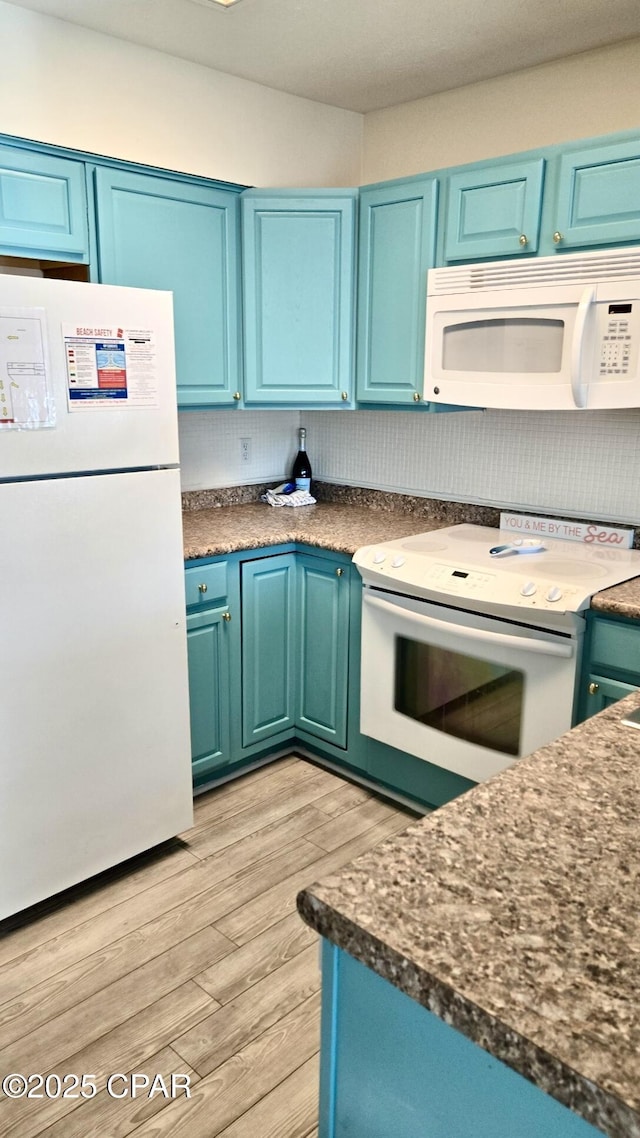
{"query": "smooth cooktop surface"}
(457, 562)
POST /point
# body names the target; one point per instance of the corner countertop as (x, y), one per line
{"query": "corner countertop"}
(513, 913)
(343, 528)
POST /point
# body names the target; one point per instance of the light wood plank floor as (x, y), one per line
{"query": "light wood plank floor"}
(189, 960)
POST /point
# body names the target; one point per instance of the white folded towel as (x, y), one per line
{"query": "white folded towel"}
(296, 498)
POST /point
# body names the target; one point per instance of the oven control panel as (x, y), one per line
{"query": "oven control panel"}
(455, 564)
(408, 572)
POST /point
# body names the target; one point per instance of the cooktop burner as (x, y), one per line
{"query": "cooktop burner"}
(455, 565)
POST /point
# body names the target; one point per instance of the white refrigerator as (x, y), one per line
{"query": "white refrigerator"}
(94, 734)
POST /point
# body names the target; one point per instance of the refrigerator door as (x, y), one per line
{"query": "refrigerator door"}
(95, 758)
(128, 418)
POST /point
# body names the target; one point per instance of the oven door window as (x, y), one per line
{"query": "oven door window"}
(464, 696)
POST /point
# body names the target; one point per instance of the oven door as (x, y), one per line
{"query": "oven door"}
(467, 692)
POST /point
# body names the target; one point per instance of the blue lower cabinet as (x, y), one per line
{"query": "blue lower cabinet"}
(601, 692)
(208, 651)
(392, 1069)
(611, 664)
(269, 671)
(322, 624)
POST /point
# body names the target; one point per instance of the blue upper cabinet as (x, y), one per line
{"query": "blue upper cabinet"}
(170, 234)
(43, 206)
(298, 264)
(598, 199)
(494, 210)
(396, 249)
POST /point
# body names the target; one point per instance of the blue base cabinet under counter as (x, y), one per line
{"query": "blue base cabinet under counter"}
(298, 256)
(269, 663)
(213, 650)
(322, 627)
(611, 663)
(392, 1069)
(165, 233)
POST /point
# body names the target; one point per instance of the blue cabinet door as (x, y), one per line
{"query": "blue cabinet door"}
(598, 201)
(323, 647)
(268, 647)
(298, 262)
(601, 692)
(43, 206)
(167, 234)
(209, 690)
(494, 211)
(396, 249)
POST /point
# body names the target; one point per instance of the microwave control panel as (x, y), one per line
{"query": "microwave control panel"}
(619, 339)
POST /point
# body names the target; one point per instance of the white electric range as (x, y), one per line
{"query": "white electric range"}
(471, 643)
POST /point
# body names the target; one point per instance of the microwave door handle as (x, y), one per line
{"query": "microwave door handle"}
(577, 389)
(525, 644)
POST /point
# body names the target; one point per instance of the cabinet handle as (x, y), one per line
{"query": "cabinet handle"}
(339, 572)
(593, 688)
(523, 240)
(202, 588)
(416, 397)
(558, 237)
(226, 616)
(344, 395)
(237, 395)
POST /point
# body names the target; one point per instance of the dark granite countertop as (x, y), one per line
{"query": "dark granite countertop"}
(513, 913)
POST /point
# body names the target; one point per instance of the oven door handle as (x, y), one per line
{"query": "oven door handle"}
(526, 644)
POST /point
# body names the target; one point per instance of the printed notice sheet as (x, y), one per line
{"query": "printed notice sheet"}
(26, 399)
(110, 368)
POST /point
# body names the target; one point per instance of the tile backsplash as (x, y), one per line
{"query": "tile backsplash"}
(582, 464)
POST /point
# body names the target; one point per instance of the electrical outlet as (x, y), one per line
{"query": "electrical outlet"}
(245, 450)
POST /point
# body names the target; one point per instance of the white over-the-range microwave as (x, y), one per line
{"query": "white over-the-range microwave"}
(552, 333)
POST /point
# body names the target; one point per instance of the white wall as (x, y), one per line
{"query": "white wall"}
(585, 95)
(210, 447)
(63, 84)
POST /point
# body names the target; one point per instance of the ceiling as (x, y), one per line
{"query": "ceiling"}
(359, 54)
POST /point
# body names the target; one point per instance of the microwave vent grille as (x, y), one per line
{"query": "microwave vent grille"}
(570, 269)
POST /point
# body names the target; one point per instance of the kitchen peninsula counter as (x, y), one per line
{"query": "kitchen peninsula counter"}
(513, 914)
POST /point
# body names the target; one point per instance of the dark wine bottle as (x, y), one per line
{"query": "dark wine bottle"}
(301, 472)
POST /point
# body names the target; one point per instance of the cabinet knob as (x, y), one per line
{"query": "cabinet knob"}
(523, 240)
(237, 395)
(226, 616)
(344, 395)
(339, 572)
(593, 688)
(202, 588)
(416, 397)
(557, 237)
